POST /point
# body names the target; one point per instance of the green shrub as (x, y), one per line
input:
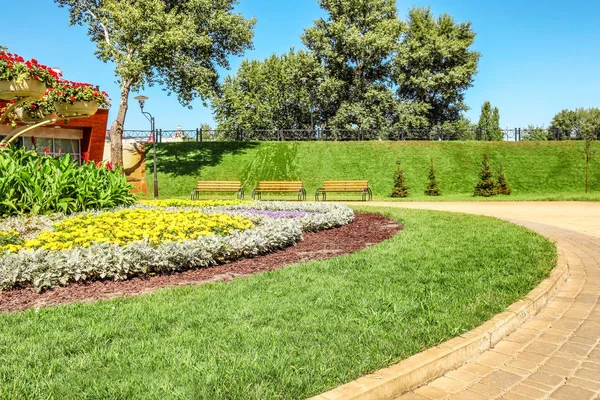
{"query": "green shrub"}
(432, 187)
(503, 184)
(486, 186)
(34, 184)
(400, 187)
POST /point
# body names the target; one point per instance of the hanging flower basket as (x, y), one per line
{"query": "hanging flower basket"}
(29, 88)
(77, 108)
(29, 118)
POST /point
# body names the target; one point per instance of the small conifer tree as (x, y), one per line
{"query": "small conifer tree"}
(503, 184)
(400, 187)
(486, 186)
(432, 187)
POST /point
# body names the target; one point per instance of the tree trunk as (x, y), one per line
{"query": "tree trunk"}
(116, 128)
(587, 164)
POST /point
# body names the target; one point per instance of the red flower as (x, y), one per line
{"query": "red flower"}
(85, 157)
(109, 165)
(33, 140)
(46, 150)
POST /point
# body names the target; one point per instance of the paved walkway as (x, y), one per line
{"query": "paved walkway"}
(555, 355)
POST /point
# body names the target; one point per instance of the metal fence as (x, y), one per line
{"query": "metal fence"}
(199, 135)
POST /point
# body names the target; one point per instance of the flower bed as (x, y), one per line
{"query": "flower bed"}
(47, 251)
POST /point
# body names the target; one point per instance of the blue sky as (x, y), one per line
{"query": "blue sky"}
(538, 56)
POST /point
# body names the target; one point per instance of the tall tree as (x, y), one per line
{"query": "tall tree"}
(489, 123)
(435, 65)
(575, 124)
(279, 92)
(178, 44)
(356, 45)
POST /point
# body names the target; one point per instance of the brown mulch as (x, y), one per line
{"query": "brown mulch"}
(364, 231)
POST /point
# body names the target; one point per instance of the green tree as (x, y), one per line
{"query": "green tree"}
(534, 133)
(588, 153)
(434, 65)
(489, 123)
(176, 44)
(575, 124)
(486, 186)
(271, 95)
(503, 185)
(432, 188)
(356, 45)
(400, 187)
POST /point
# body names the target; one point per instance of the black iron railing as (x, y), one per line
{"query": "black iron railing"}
(199, 135)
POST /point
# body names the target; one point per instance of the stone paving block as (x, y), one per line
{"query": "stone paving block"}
(547, 379)
(537, 324)
(562, 362)
(591, 330)
(467, 395)
(552, 369)
(568, 324)
(531, 357)
(529, 392)
(555, 339)
(522, 364)
(595, 353)
(489, 391)
(589, 374)
(573, 349)
(476, 369)
(462, 376)
(514, 396)
(432, 392)
(580, 314)
(559, 332)
(514, 370)
(492, 359)
(502, 379)
(576, 338)
(537, 385)
(590, 364)
(448, 384)
(584, 383)
(509, 348)
(543, 348)
(568, 392)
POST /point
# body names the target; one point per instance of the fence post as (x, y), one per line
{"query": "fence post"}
(160, 136)
(198, 136)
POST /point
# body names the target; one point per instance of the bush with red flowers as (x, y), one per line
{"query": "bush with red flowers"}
(70, 92)
(40, 108)
(14, 68)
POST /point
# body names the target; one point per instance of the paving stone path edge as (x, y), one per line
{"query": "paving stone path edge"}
(434, 362)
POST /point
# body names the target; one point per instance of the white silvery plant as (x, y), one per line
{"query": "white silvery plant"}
(45, 269)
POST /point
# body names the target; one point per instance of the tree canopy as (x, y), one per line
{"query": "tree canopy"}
(178, 44)
(576, 124)
(370, 70)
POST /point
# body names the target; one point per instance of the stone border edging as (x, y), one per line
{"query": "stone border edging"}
(429, 364)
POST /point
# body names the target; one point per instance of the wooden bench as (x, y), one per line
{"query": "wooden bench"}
(344, 187)
(218, 186)
(279, 187)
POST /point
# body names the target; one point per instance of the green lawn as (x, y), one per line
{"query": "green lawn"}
(286, 334)
(536, 170)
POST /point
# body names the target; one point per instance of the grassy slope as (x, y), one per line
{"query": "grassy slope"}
(535, 170)
(286, 334)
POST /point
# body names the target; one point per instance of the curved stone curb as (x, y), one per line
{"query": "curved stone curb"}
(422, 367)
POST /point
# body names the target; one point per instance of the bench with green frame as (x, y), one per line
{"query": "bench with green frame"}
(279, 187)
(218, 187)
(344, 187)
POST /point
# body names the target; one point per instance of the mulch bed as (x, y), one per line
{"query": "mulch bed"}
(364, 231)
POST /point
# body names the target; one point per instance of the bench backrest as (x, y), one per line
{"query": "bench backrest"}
(280, 185)
(345, 184)
(233, 185)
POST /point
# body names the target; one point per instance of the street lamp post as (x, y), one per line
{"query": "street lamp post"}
(142, 100)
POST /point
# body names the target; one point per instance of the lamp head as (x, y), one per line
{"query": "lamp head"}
(142, 100)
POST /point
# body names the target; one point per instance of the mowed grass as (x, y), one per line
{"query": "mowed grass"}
(536, 170)
(285, 334)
